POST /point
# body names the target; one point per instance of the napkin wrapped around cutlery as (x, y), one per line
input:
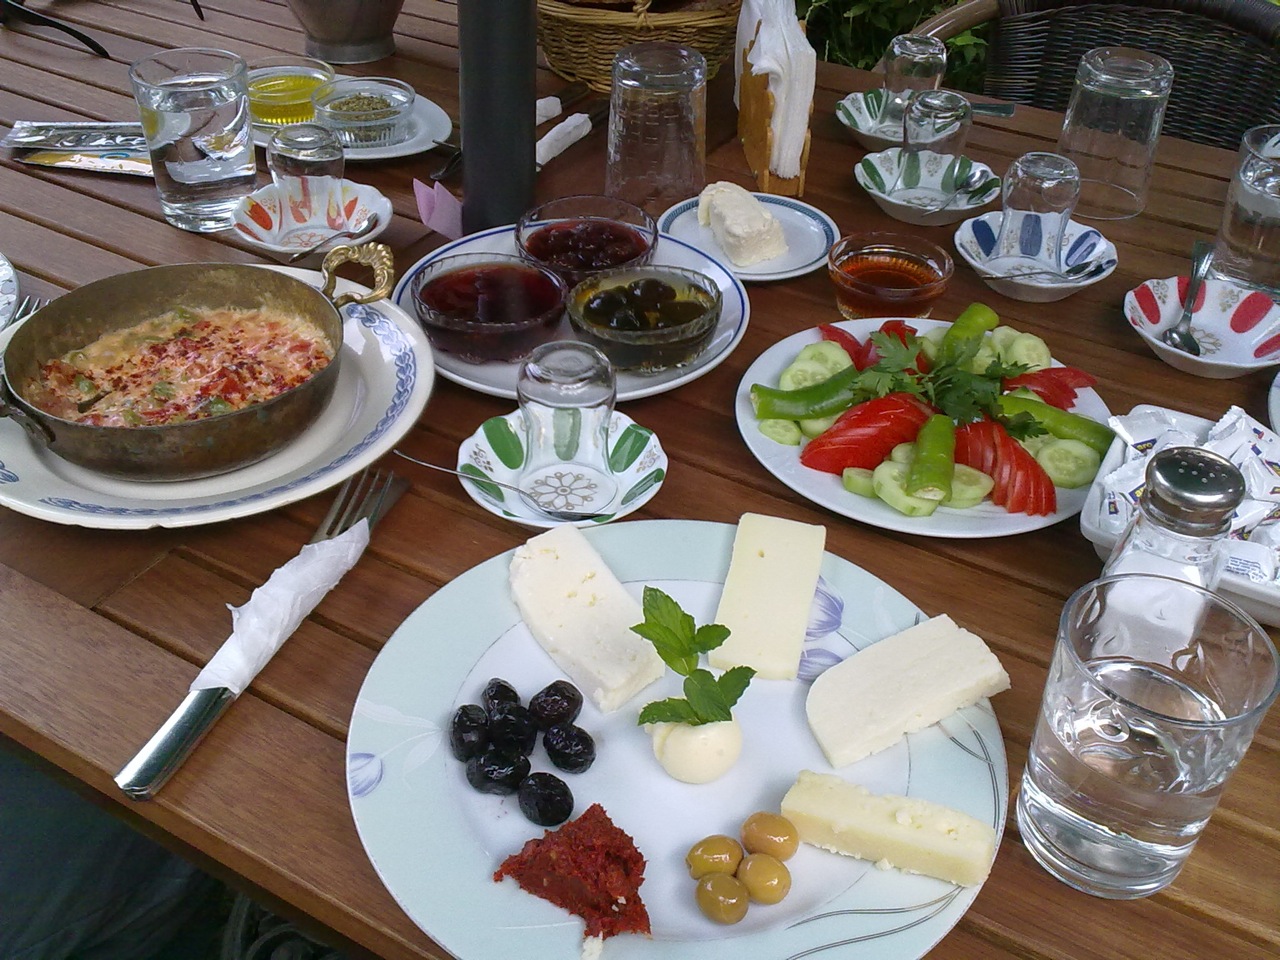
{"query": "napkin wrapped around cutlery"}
(275, 609)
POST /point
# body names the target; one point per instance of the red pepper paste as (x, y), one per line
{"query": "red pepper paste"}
(588, 867)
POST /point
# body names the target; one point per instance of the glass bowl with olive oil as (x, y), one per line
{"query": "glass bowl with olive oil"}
(280, 88)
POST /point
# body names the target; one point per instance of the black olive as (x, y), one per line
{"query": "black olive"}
(545, 799)
(558, 702)
(513, 728)
(497, 771)
(650, 291)
(469, 731)
(625, 318)
(498, 691)
(569, 747)
(602, 305)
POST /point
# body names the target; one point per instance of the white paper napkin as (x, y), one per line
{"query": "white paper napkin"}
(545, 109)
(560, 137)
(273, 612)
(784, 54)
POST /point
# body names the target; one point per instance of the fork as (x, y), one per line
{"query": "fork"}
(366, 496)
(26, 308)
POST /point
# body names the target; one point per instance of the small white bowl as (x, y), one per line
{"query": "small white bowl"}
(1238, 329)
(928, 181)
(976, 238)
(860, 112)
(281, 233)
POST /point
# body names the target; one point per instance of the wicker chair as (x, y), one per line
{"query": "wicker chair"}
(1224, 54)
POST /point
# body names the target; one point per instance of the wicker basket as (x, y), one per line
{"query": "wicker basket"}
(579, 41)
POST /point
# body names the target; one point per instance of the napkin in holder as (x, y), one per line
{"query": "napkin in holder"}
(776, 77)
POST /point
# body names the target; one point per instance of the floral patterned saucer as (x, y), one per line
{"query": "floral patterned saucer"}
(496, 452)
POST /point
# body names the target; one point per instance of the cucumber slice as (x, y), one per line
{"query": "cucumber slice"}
(985, 356)
(929, 342)
(817, 425)
(969, 487)
(804, 373)
(903, 452)
(889, 480)
(1069, 463)
(781, 431)
(1033, 445)
(1029, 350)
(1001, 339)
(826, 352)
(858, 480)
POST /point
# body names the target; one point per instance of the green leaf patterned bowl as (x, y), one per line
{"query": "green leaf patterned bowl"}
(923, 190)
(496, 452)
(860, 112)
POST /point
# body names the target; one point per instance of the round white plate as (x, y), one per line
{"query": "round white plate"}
(808, 231)
(435, 842)
(383, 385)
(497, 451)
(8, 290)
(428, 125)
(499, 379)
(825, 489)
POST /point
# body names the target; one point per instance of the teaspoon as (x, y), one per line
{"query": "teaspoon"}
(1179, 336)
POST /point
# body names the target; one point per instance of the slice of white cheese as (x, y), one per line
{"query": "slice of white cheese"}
(906, 832)
(767, 594)
(582, 616)
(902, 684)
(744, 229)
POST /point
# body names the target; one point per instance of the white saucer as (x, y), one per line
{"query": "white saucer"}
(8, 290)
(859, 112)
(428, 125)
(497, 451)
(926, 183)
(808, 231)
(976, 238)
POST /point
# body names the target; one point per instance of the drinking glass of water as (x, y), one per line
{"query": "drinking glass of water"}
(1247, 249)
(194, 104)
(306, 163)
(1155, 690)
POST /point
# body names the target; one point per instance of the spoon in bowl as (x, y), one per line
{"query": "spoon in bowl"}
(354, 233)
(974, 177)
(1179, 336)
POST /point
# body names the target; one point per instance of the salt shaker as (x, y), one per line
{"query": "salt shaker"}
(1184, 514)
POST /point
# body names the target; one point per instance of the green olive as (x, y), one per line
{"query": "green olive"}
(714, 854)
(770, 833)
(766, 878)
(722, 898)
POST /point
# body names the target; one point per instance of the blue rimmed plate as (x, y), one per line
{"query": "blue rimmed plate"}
(383, 385)
(976, 238)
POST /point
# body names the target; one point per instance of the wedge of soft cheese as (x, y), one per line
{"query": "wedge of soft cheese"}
(745, 230)
(904, 832)
(582, 616)
(902, 684)
(767, 594)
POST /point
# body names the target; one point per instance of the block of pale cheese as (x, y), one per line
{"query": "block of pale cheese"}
(582, 616)
(767, 594)
(902, 684)
(915, 835)
(746, 231)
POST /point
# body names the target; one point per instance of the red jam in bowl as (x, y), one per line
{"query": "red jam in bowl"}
(579, 247)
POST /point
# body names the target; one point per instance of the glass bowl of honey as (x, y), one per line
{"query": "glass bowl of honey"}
(280, 88)
(582, 235)
(487, 306)
(887, 274)
(646, 319)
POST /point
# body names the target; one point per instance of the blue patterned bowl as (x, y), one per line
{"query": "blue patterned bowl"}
(976, 239)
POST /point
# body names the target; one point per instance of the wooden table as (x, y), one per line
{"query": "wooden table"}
(102, 631)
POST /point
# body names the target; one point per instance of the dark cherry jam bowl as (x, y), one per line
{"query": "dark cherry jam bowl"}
(580, 236)
(646, 319)
(487, 306)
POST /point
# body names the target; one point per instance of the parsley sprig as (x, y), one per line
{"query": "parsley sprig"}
(707, 698)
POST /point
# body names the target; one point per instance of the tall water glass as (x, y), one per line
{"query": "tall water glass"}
(306, 162)
(911, 64)
(1147, 711)
(1112, 127)
(1247, 249)
(657, 125)
(1040, 191)
(194, 104)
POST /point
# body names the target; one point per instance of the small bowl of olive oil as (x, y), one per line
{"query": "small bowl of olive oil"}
(280, 88)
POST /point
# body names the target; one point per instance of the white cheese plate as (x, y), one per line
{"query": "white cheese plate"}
(435, 842)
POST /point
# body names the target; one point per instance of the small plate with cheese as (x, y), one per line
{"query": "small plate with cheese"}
(806, 232)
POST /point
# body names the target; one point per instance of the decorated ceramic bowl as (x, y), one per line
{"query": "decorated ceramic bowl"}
(1238, 329)
(282, 229)
(929, 189)
(860, 112)
(1082, 247)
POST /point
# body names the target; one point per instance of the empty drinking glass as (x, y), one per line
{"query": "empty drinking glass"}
(934, 129)
(306, 163)
(1247, 249)
(1040, 192)
(911, 64)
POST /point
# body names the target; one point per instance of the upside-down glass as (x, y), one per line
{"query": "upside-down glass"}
(1040, 191)
(934, 130)
(567, 391)
(1149, 707)
(1112, 127)
(1247, 249)
(306, 163)
(911, 64)
(194, 104)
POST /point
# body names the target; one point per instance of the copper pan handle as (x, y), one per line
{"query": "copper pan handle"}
(374, 255)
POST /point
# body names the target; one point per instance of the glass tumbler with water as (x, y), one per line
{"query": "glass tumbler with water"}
(1148, 709)
(567, 391)
(306, 162)
(657, 125)
(1247, 249)
(194, 104)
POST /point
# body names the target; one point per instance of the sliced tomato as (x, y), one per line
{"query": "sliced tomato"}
(855, 348)
(976, 446)
(1055, 385)
(1021, 485)
(865, 433)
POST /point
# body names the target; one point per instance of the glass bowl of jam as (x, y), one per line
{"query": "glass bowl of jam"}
(646, 319)
(887, 274)
(487, 306)
(579, 236)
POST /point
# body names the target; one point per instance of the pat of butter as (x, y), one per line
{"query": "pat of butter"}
(744, 229)
(902, 684)
(582, 616)
(696, 753)
(767, 594)
(908, 833)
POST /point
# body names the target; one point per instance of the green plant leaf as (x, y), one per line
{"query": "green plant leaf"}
(671, 710)
(670, 630)
(705, 697)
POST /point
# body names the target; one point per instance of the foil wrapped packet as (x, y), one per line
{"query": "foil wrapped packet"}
(116, 147)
